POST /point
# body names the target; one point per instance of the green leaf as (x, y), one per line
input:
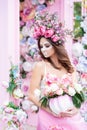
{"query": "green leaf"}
(76, 101)
(82, 96)
(44, 101)
(12, 105)
(12, 86)
(85, 46)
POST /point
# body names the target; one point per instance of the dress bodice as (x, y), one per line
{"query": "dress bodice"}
(50, 80)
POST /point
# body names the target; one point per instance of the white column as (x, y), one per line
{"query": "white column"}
(13, 30)
(9, 43)
(68, 18)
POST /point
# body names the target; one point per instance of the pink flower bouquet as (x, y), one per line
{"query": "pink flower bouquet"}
(61, 94)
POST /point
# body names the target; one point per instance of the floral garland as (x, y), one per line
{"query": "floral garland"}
(49, 26)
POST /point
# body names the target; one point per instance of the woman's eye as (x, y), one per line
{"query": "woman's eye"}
(47, 46)
(41, 46)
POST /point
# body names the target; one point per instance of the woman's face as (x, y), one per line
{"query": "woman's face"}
(46, 48)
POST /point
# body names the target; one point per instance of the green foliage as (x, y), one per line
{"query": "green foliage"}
(77, 99)
(12, 79)
(85, 46)
(12, 105)
(44, 101)
(78, 31)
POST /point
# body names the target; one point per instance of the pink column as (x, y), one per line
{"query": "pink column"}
(58, 7)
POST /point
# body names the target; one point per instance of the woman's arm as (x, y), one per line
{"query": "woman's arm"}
(35, 83)
(37, 75)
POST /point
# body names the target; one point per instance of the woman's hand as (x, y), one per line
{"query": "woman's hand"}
(69, 112)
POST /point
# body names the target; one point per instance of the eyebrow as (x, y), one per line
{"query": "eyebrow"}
(45, 43)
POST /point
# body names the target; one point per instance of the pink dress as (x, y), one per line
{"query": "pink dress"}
(47, 121)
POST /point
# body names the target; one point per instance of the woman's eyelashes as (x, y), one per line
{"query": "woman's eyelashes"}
(45, 46)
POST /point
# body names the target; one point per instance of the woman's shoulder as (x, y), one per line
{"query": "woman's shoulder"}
(38, 65)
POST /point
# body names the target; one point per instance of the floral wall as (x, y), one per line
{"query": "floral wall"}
(27, 55)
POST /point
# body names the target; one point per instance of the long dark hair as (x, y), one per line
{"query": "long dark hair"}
(62, 55)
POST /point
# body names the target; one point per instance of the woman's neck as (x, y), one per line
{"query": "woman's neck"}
(55, 61)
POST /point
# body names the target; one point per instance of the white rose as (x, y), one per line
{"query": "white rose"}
(26, 104)
(78, 87)
(71, 91)
(27, 66)
(18, 93)
(21, 115)
(54, 87)
(34, 108)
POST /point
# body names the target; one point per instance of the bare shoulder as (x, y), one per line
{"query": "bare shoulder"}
(38, 65)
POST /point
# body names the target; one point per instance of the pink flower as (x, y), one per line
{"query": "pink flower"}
(56, 128)
(75, 61)
(59, 91)
(14, 118)
(85, 52)
(55, 38)
(25, 88)
(23, 49)
(37, 32)
(5, 119)
(42, 30)
(66, 80)
(49, 33)
(9, 110)
(41, 1)
(51, 78)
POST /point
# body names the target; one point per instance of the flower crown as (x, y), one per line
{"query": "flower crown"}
(47, 25)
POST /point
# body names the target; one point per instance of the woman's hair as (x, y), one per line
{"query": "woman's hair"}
(62, 55)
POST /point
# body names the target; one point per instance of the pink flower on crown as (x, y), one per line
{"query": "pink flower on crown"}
(37, 32)
(49, 33)
(55, 38)
(42, 30)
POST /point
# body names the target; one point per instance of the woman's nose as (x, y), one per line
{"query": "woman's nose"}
(44, 48)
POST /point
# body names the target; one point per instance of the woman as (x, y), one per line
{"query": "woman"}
(56, 64)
